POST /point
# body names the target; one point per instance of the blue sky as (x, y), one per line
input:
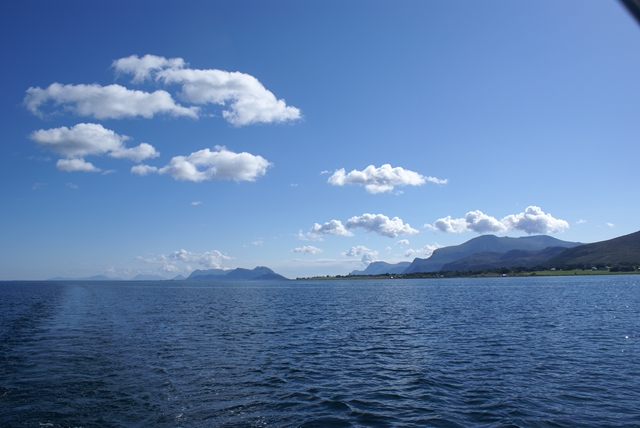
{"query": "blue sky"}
(309, 137)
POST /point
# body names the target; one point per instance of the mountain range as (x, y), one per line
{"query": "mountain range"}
(489, 251)
(483, 243)
(378, 268)
(260, 273)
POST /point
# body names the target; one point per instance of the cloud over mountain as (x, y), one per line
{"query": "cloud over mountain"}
(425, 251)
(381, 224)
(207, 165)
(378, 223)
(532, 221)
(382, 179)
(368, 256)
(209, 259)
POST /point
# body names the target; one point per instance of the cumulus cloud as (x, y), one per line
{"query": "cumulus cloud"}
(210, 259)
(611, 225)
(207, 165)
(333, 227)
(86, 139)
(307, 249)
(138, 153)
(532, 220)
(425, 251)
(379, 180)
(76, 164)
(381, 224)
(368, 256)
(182, 260)
(309, 236)
(105, 102)
(581, 221)
(449, 225)
(141, 68)
(168, 267)
(143, 169)
(479, 222)
(402, 242)
(246, 99)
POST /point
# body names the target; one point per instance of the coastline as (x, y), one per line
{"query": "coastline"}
(489, 273)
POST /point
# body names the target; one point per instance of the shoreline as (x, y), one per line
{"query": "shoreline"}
(493, 273)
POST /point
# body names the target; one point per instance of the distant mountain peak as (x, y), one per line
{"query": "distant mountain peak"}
(238, 274)
(484, 243)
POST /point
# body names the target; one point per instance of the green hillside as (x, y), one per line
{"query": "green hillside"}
(484, 243)
(624, 250)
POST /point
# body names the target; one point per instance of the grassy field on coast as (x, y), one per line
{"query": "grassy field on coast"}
(477, 274)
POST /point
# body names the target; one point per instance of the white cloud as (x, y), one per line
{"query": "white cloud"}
(449, 225)
(196, 203)
(611, 225)
(86, 139)
(248, 101)
(402, 242)
(138, 153)
(207, 165)
(141, 68)
(307, 249)
(76, 164)
(581, 221)
(437, 180)
(257, 243)
(168, 267)
(309, 236)
(479, 222)
(532, 220)
(333, 227)
(368, 256)
(425, 251)
(379, 180)
(210, 259)
(143, 169)
(72, 186)
(105, 102)
(381, 224)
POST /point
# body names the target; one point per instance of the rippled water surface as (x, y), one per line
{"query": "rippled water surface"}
(470, 352)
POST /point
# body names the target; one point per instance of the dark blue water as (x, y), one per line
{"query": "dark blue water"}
(556, 352)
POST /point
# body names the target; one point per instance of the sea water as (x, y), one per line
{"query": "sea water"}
(557, 352)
